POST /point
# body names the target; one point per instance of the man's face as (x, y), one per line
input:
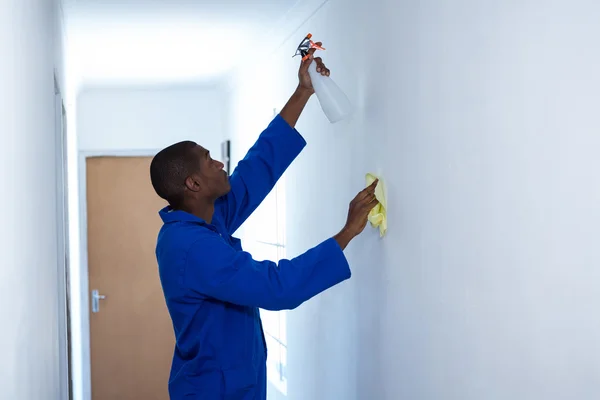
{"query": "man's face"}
(214, 180)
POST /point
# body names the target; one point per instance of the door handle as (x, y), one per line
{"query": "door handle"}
(96, 297)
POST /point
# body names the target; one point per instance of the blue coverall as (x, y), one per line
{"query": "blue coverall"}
(213, 289)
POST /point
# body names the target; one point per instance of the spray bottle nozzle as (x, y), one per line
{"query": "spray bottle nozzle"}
(306, 45)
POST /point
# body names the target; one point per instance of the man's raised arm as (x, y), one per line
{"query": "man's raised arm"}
(276, 148)
(256, 175)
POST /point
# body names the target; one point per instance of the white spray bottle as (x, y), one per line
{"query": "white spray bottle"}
(333, 100)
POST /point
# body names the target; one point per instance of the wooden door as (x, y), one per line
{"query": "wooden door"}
(131, 334)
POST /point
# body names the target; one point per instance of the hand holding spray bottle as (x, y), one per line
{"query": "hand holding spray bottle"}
(333, 100)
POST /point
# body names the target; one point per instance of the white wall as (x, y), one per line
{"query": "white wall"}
(147, 118)
(29, 273)
(482, 117)
(60, 45)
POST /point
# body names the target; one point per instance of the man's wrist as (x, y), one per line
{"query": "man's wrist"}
(343, 238)
(303, 92)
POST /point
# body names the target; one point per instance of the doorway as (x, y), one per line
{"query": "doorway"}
(131, 335)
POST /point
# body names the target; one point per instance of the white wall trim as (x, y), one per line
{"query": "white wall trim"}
(62, 240)
(82, 301)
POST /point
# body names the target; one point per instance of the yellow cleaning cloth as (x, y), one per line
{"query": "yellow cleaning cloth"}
(377, 216)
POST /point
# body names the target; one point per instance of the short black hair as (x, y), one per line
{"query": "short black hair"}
(169, 169)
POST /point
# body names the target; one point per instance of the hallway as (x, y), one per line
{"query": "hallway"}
(480, 117)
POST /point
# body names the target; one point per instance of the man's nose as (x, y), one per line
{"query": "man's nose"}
(220, 164)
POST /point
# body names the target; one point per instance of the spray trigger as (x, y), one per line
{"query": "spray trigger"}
(305, 45)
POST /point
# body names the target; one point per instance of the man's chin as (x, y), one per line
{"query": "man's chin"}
(226, 189)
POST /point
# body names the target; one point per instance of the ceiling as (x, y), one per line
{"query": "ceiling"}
(165, 41)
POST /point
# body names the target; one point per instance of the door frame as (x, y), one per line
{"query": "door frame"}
(62, 243)
(82, 302)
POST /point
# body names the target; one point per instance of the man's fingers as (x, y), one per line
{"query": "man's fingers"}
(369, 203)
(369, 190)
(372, 186)
(363, 194)
(321, 68)
(370, 200)
(319, 62)
(312, 50)
(305, 63)
(310, 57)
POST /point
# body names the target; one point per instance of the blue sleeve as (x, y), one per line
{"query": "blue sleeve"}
(216, 270)
(256, 175)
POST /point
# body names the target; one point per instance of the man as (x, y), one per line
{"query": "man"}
(213, 288)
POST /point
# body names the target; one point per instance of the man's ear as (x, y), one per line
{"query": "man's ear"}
(192, 183)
